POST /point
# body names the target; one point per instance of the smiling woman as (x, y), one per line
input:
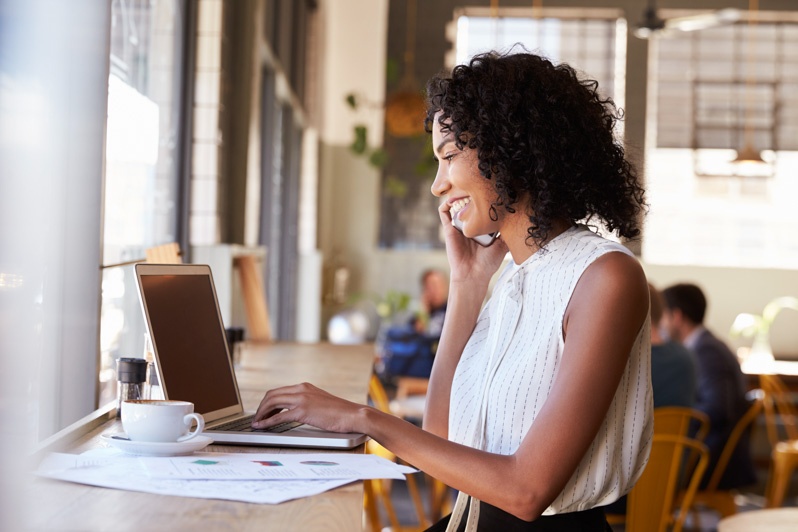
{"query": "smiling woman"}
(539, 403)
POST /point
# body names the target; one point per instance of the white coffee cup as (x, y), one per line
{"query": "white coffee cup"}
(160, 420)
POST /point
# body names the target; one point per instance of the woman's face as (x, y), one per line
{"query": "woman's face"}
(468, 194)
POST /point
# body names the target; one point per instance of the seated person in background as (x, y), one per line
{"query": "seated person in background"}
(673, 366)
(434, 295)
(721, 388)
(408, 349)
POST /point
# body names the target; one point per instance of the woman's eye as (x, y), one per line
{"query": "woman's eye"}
(449, 157)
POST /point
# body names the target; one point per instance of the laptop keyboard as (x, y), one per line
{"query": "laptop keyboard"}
(245, 425)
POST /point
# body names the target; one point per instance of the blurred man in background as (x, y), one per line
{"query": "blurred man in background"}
(721, 387)
(434, 295)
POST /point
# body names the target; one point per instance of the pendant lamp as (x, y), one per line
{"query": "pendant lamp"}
(748, 155)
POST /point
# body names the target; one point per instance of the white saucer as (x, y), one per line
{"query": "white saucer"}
(146, 448)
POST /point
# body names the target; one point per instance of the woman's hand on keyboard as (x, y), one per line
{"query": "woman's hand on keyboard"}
(306, 403)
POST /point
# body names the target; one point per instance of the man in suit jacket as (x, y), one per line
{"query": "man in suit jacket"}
(721, 387)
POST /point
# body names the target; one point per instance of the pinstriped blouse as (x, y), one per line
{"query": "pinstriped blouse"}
(509, 364)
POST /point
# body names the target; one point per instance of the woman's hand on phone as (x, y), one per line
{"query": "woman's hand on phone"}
(469, 260)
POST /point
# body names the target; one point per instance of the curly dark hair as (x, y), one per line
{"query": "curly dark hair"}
(539, 129)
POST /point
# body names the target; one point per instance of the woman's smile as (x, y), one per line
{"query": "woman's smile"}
(458, 205)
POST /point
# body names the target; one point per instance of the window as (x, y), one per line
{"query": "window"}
(142, 171)
(590, 40)
(285, 91)
(715, 92)
(587, 44)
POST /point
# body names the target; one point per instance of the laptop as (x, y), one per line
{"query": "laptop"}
(188, 338)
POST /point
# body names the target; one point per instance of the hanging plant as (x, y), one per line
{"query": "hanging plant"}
(395, 187)
(406, 107)
(377, 157)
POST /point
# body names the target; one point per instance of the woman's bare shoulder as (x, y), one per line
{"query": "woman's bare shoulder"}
(614, 282)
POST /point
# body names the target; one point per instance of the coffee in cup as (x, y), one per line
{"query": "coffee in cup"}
(160, 420)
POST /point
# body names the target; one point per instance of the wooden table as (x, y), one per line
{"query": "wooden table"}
(342, 370)
(787, 370)
(770, 520)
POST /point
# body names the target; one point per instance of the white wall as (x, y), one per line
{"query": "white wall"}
(353, 60)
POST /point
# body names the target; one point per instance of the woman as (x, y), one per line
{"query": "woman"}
(539, 403)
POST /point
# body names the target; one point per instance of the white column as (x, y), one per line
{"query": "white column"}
(53, 90)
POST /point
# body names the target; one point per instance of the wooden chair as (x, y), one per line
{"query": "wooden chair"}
(409, 404)
(379, 489)
(674, 421)
(677, 420)
(651, 501)
(410, 397)
(779, 410)
(164, 254)
(722, 501)
(258, 321)
(407, 386)
(785, 461)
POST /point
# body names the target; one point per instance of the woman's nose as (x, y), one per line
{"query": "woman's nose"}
(440, 185)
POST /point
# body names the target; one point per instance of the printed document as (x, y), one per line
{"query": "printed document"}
(112, 468)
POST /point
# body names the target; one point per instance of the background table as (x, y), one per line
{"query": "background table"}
(771, 520)
(342, 370)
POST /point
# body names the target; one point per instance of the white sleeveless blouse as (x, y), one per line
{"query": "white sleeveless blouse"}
(508, 368)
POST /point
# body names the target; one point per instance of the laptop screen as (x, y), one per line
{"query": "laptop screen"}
(189, 339)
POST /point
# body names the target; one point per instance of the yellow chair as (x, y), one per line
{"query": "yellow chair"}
(651, 501)
(722, 501)
(785, 460)
(379, 489)
(675, 421)
(778, 406)
(409, 404)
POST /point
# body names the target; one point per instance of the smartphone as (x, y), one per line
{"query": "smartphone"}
(482, 240)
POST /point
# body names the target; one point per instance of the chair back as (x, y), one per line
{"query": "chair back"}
(164, 254)
(779, 409)
(676, 420)
(375, 488)
(254, 295)
(378, 395)
(650, 503)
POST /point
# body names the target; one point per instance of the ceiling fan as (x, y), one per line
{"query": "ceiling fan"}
(652, 24)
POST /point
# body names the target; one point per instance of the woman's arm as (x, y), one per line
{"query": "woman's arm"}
(607, 311)
(461, 316)
(524, 484)
(471, 268)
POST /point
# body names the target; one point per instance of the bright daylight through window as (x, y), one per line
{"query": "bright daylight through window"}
(714, 93)
(142, 161)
